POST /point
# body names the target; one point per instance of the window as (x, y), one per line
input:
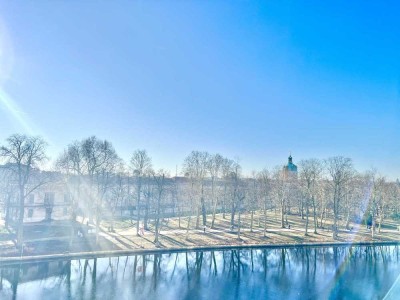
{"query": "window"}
(66, 198)
(31, 199)
(30, 213)
(65, 211)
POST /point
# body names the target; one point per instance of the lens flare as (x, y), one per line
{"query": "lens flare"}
(6, 54)
(13, 110)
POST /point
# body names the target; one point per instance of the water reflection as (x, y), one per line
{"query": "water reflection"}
(292, 273)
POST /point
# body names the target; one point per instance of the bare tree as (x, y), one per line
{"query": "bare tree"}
(310, 175)
(325, 195)
(351, 194)
(140, 164)
(393, 199)
(118, 193)
(265, 185)
(195, 166)
(227, 166)
(148, 191)
(215, 163)
(71, 160)
(94, 162)
(377, 197)
(8, 190)
(70, 163)
(383, 195)
(24, 154)
(239, 194)
(253, 196)
(101, 161)
(280, 192)
(160, 181)
(236, 192)
(341, 171)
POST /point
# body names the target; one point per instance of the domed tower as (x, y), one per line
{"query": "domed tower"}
(290, 169)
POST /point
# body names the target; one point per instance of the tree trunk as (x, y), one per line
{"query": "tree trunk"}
(380, 223)
(251, 220)
(214, 212)
(302, 209)
(112, 220)
(157, 223)
(223, 202)
(188, 226)
(146, 215)
(7, 216)
(348, 220)
(265, 220)
(20, 231)
(315, 216)
(373, 226)
(233, 215)
(223, 208)
(380, 220)
(139, 187)
(198, 218)
(239, 224)
(179, 218)
(131, 213)
(203, 211)
(335, 214)
(307, 214)
(97, 226)
(323, 213)
(156, 232)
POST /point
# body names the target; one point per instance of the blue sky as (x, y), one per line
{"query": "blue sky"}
(247, 79)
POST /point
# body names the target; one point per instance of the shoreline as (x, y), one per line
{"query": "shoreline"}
(11, 260)
(174, 238)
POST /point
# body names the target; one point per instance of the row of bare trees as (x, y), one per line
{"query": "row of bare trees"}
(102, 184)
(22, 155)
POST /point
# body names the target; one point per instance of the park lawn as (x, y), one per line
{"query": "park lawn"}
(172, 236)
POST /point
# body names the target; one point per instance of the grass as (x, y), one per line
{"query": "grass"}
(172, 235)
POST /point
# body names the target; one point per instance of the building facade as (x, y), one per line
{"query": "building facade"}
(51, 202)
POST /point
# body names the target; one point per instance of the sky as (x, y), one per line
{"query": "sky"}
(247, 79)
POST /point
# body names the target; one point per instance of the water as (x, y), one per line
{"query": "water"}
(265, 273)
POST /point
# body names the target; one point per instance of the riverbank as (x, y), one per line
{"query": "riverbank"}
(115, 253)
(173, 238)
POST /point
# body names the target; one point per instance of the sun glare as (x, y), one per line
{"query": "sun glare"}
(13, 110)
(6, 54)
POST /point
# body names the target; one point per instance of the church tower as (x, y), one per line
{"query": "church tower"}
(290, 169)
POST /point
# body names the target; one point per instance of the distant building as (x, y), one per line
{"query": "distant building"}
(50, 202)
(290, 169)
(47, 197)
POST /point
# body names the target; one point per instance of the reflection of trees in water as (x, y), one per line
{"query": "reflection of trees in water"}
(156, 269)
(94, 280)
(68, 280)
(55, 273)
(214, 262)
(304, 269)
(1, 279)
(14, 283)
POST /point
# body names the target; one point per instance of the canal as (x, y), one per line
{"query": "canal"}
(358, 272)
